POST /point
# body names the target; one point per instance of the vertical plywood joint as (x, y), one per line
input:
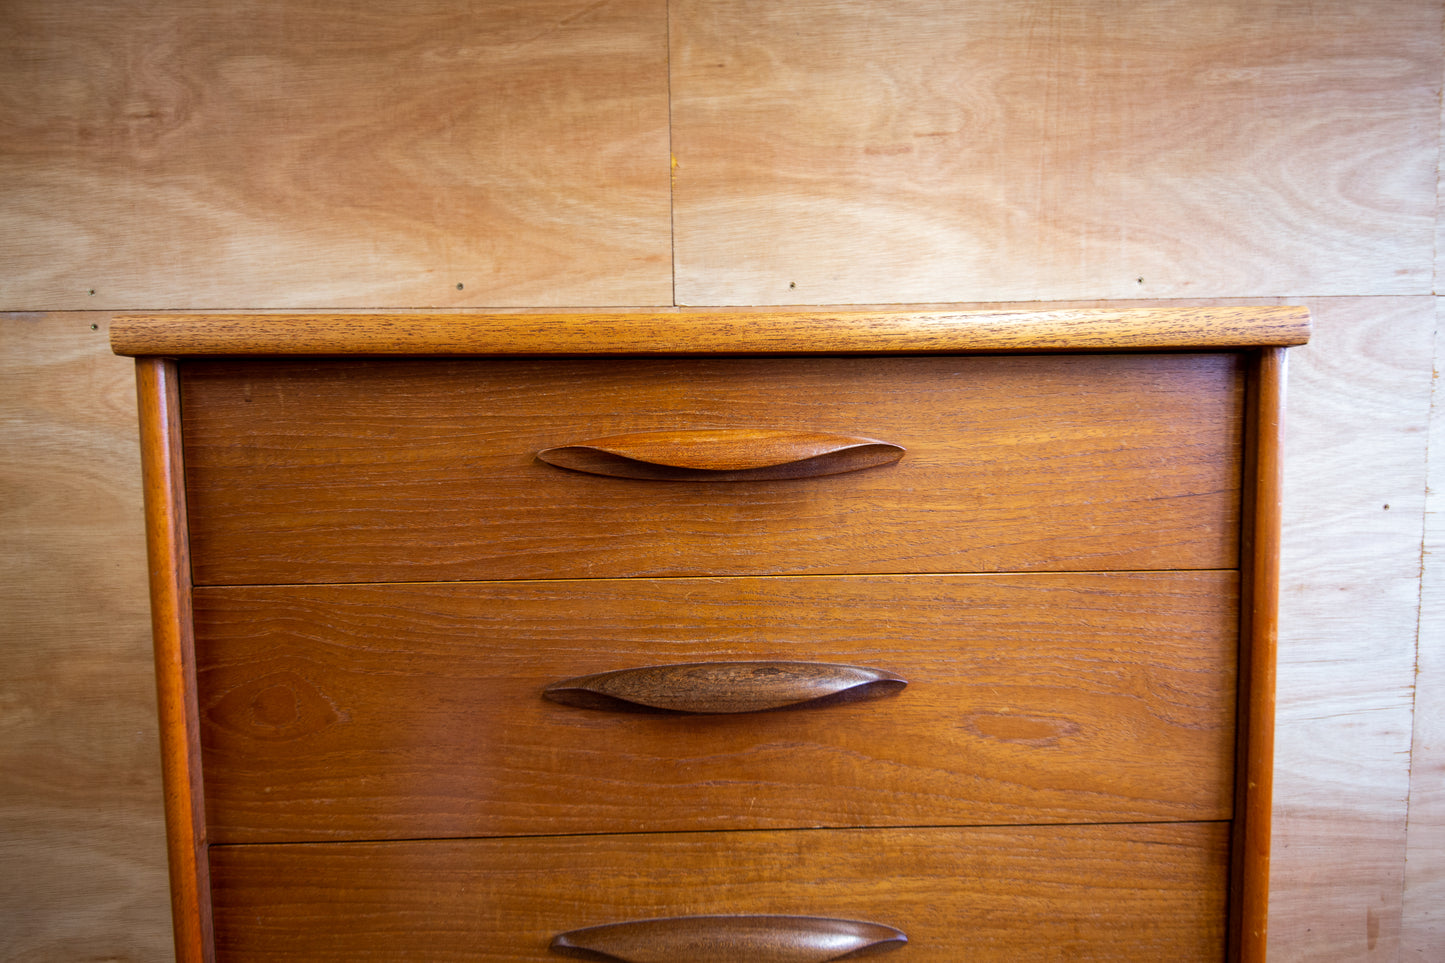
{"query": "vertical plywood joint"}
(1259, 606)
(171, 620)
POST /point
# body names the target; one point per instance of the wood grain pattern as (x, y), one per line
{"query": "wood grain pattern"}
(932, 151)
(82, 845)
(1439, 266)
(425, 470)
(293, 154)
(168, 552)
(722, 454)
(1259, 637)
(729, 939)
(754, 332)
(721, 687)
(1423, 928)
(1356, 440)
(356, 712)
(1143, 893)
(82, 840)
(90, 875)
(1355, 443)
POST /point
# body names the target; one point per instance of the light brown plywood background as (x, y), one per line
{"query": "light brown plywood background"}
(655, 153)
(1424, 922)
(311, 152)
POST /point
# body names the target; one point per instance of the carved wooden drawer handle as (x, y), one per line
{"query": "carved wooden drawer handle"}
(723, 454)
(729, 939)
(724, 687)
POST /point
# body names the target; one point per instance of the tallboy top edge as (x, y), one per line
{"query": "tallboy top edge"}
(791, 332)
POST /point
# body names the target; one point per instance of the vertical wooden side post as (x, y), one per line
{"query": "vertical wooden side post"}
(170, 589)
(1259, 630)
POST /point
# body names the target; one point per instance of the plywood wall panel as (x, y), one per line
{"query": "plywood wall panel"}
(1424, 910)
(293, 153)
(925, 150)
(1355, 462)
(1439, 265)
(83, 843)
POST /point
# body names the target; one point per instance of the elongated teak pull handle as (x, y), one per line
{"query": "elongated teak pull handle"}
(724, 687)
(722, 454)
(730, 939)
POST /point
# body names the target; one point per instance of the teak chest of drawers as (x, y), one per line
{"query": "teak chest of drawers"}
(716, 638)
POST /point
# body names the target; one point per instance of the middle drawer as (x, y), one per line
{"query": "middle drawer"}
(416, 710)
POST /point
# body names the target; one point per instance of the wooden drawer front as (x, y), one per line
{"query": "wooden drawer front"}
(350, 471)
(1148, 893)
(405, 711)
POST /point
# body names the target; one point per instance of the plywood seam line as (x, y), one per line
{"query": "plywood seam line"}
(900, 307)
(1411, 786)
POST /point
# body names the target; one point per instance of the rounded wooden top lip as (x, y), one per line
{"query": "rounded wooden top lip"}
(754, 332)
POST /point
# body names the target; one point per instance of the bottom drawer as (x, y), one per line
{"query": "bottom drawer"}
(1118, 892)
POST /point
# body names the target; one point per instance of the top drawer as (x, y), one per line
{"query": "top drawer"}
(376, 470)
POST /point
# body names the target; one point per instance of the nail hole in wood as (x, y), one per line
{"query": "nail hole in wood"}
(459, 285)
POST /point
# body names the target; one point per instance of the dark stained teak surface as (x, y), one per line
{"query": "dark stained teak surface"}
(406, 711)
(948, 635)
(1140, 893)
(725, 687)
(720, 939)
(750, 332)
(1119, 892)
(405, 470)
